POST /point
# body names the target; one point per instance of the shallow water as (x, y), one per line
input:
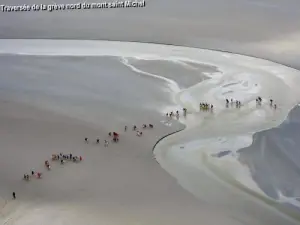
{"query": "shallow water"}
(274, 159)
(184, 73)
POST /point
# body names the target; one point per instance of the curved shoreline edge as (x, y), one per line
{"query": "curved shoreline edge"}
(160, 43)
(163, 137)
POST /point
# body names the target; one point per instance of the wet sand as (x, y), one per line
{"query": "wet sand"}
(120, 184)
(54, 108)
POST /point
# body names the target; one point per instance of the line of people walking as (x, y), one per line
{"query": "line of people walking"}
(177, 114)
(259, 101)
(206, 107)
(55, 157)
(115, 136)
(233, 103)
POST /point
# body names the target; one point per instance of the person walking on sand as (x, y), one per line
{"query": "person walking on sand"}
(184, 111)
(47, 164)
(14, 195)
(125, 128)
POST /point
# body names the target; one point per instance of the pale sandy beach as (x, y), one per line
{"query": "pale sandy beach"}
(46, 110)
(121, 184)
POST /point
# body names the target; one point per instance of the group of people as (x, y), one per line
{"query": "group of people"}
(106, 142)
(115, 135)
(273, 105)
(63, 157)
(206, 107)
(171, 114)
(33, 173)
(138, 132)
(238, 104)
(145, 126)
(209, 107)
(86, 140)
(259, 102)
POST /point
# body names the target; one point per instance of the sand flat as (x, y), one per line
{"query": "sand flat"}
(122, 183)
(45, 111)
